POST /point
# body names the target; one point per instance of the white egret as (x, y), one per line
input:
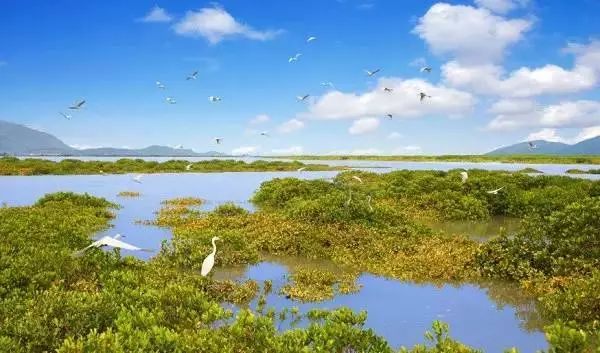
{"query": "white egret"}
(294, 58)
(371, 73)
(160, 85)
(495, 192)
(390, 116)
(209, 261)
(215, 99)
(78, 105)
(357, 178)
(137, 178)
(426, 69)
(113, 242)
(532, 145)
(302, 98)
(171, 100)
(193, 76)
(311, 39)
(218, 140)
(464, 176)
(66, 116)
(301, 169)
(387, 89)
(423, 95)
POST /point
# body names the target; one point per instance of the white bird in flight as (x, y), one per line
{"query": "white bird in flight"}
(426, 69)
(78, 105)
(532, 145)
(311, 39)
(214, 99)
(294, 58)
(371, 73)
(113, 242)
(355, 177)
(137, 178)
(209, 261)
(66, 116)
(390, 116)
(464, 176)
(193, 76)
(302, 98)
(495, 192)
(423, 96)
(264, 133)
(179, 147)
(387, 89)
(218, 140)
(160, 85)
(171, 100)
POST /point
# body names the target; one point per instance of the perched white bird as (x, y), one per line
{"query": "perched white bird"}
(357, 178)
(193, 76)
(301, 169)
(302, 98)
(113, 242)
(387, 89)
(464, 176)
(78, 105)
(209, 261)
(495, 192)
(423, 96)
(137, 178)
(390, 116)
(171, 100)
(66, 116)
(264, 133)
(371, 73)
(532, 145)
(311, 39)
(294, 58)
(218, 140)
(214, 99)
(426, 69)
(160, 85)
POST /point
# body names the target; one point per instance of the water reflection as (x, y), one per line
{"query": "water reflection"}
(478, 230)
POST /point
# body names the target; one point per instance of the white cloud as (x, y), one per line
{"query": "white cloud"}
(364, 152)
(157, 14)
(587, 133)
(260, 119)
(581, 113)
(411, 149)
(472, 35)
(288, 151)
(402, 102)
(501, 6)
(291, 126)
(245, 150)
(364, 126)
(216, 24)
(513, 106)
(546, 134)
(394, 135)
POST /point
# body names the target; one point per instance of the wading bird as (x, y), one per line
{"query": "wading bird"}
(495, 192)
(137, 179)
(294, 58)
(311, 39)
(78, 105)
(426, 69)
(218, 140)
(193, 76)
(170, 100)
(357, 178)
(113, 242)
(160, 85)
(387, 89)
(371, 73)
(214, 99)
(464, 176)
(423, 96)
(209, 261)
(302, 98)
(66, 116)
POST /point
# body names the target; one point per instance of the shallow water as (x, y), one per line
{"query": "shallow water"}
(399, 311)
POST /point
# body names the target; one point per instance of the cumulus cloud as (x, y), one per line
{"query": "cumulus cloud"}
(291, 126)
(473, 35)
(513, 106)
(288, 151)
(215, 24)
(587, 133)
(411, 149)
(364, 126)
(157, 14)
(581, 113)
(402, 102)
(244, 150)
(260, 119)
(394, 135)
(501, 6)
(546, 134)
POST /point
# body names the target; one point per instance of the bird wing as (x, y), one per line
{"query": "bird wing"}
(115, 243)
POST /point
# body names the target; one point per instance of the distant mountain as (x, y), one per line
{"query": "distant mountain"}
(20, 140)
(586, 147)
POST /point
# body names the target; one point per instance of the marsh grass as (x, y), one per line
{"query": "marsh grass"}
(129, 194)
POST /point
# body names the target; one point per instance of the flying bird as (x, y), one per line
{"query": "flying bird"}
(357, 178)
(160, 85)
(264, 133)
(495, 192)
(302, 98)
(426, 69)
(78, 105)
(66, 116)
(532, 145)
(137, 178)
(371, 73)
(214, 99)
(171, 100)
(294, 58)
(113, 242)
(311, 39)
(193, 76)
(390, 116)
(464, 176)
(423, 96)
(209, 261)
(387, 89)
(218, 140)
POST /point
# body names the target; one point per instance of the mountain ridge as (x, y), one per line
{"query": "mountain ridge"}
(586, 147)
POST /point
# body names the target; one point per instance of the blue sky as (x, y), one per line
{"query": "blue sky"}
(503, 71)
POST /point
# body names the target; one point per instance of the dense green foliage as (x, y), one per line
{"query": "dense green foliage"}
(35, 166)
(525, 158)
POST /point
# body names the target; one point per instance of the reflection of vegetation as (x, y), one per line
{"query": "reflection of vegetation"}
(129, 194)
(308, 284)
(579, 171)
(184, 202)
(530, 170)
(34, 166)
(526, 158)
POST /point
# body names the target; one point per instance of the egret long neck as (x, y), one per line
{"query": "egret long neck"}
(214, 246)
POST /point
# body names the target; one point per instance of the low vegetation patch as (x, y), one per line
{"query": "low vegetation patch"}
(129, 194)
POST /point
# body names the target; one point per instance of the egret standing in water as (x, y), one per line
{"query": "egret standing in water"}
(209, 261)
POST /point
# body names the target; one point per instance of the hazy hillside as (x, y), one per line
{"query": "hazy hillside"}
(587, 147)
